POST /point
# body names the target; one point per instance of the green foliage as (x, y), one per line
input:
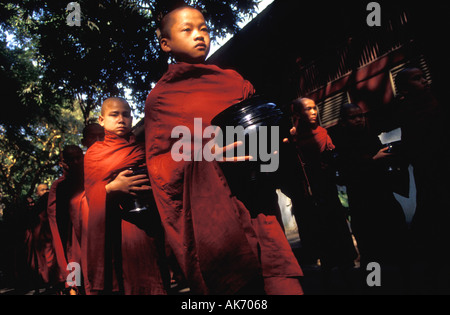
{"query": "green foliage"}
(34, 125)
(54, 77)
(115, 49)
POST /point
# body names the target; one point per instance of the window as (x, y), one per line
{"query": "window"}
(330, 109)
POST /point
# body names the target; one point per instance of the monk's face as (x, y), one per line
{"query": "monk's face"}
(189, 36)
(417, 83)
(116, 117)
(41, 190)
(355, 118)
(310, 112)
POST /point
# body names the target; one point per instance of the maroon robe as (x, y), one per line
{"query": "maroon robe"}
(117, 251)
(58, 247)
(39, 242)
(76, 248)
(315, 140)
(220, 248)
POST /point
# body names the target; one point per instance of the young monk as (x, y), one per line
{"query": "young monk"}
(121, 257)
(219, 246)
(59, 211)
(424, 137)
(378, 221)
(39, 243)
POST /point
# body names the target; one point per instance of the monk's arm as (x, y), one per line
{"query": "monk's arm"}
(128, 184)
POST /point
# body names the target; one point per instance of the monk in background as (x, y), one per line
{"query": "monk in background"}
(322, 215)
(69, 185)
(122, 257)
(424, 138)
(38, 241)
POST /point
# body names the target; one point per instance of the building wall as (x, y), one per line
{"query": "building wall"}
(325, 50)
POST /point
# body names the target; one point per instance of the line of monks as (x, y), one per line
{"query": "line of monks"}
(198, 227)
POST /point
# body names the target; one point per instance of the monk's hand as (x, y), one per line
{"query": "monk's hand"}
(129, 184)
(293, 133)
(382, 154)
(219, 152)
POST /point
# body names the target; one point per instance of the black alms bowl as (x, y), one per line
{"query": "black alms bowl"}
(253, 112)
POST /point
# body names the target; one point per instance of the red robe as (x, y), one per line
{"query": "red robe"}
(316, 140)
(76, 251)
(76, 243)
(220, 248)
(57, 244)
(38, 239)
(117, 250)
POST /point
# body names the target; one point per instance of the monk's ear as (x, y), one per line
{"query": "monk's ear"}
(165, 45)
(101, 121)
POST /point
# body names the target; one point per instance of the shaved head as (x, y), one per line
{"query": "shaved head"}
(169, 19)
(116, 116)
(112, 101)
(41, 190)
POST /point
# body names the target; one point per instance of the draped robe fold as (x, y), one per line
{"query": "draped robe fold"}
(219, 246)
(120, 255)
